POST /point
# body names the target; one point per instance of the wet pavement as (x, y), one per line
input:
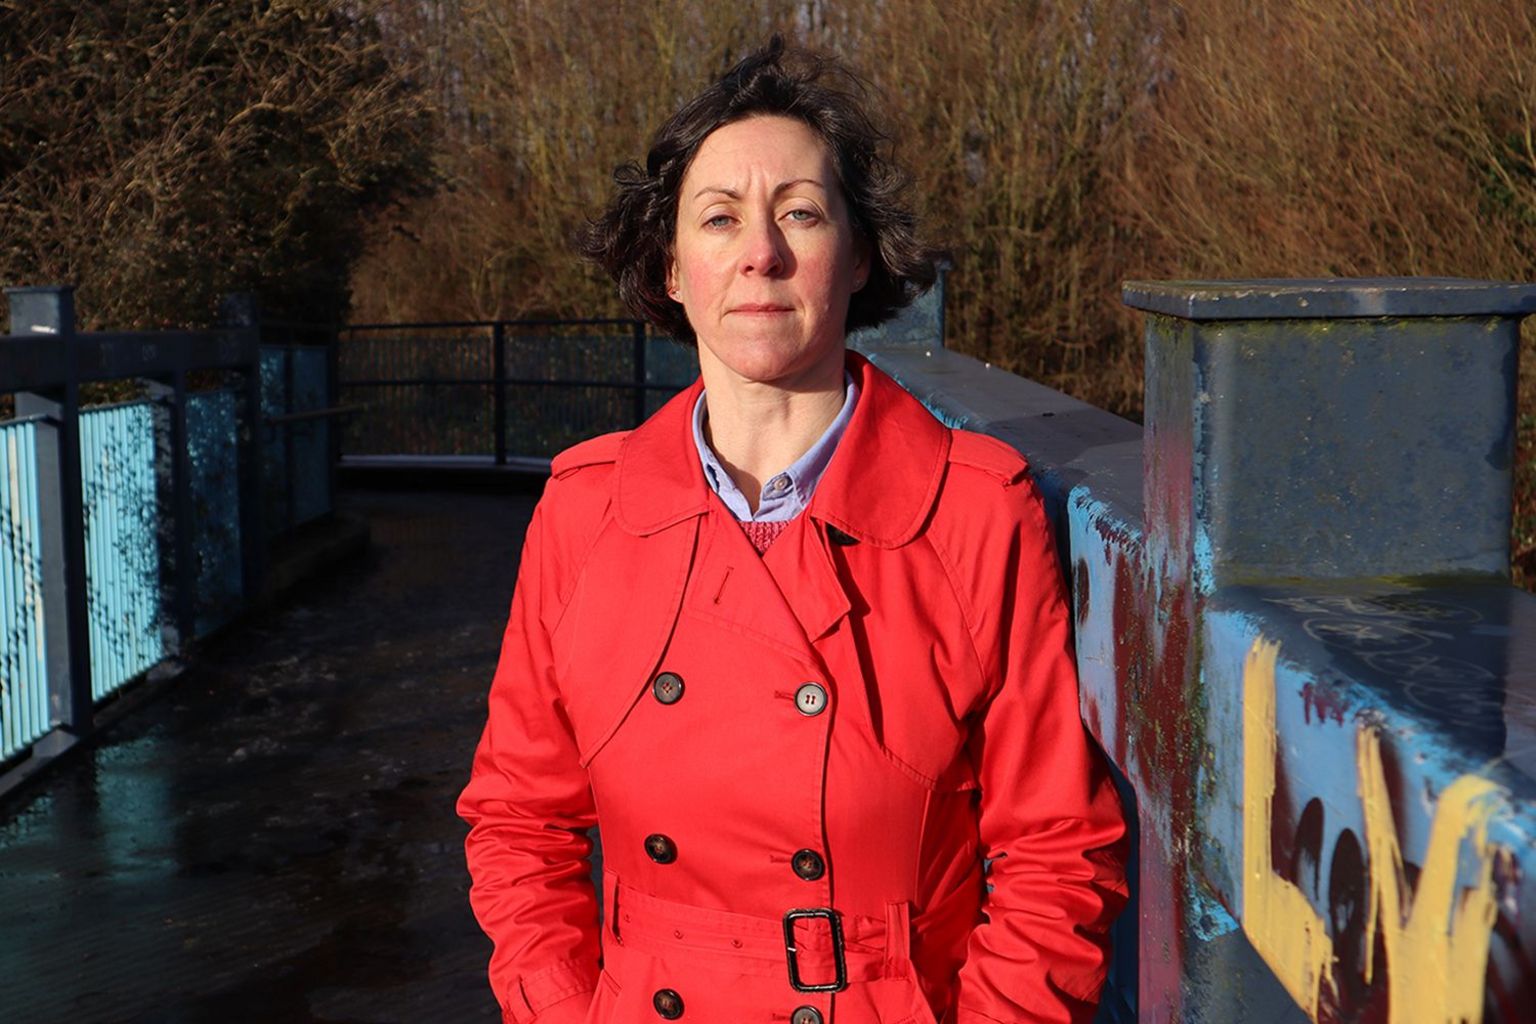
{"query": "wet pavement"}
(273, 838)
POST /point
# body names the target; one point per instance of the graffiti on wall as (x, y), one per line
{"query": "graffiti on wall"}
(1432, 925)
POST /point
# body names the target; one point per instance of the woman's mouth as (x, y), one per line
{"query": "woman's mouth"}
(759, 308)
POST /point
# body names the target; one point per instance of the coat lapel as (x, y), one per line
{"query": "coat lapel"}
(735, 590)
(802, 569)
(884, 477)
(878, 489)
(610, 644)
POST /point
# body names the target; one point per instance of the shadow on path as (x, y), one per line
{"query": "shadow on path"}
(273, 839)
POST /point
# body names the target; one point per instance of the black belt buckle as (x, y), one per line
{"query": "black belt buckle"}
(792, 955)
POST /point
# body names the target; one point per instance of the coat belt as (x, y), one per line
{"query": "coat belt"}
(873, 947)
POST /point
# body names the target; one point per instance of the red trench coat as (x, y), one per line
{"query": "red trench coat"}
(848, 724)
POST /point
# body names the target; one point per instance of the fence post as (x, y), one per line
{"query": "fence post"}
(178, 559)
(499, 395)
(241, 312)
(640, 392)
(333, 431)
(1302, 437)
(50, 309)
(1371, 395)
(290, 485)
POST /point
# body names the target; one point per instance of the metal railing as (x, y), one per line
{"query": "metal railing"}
(129, 530)
(499, 392)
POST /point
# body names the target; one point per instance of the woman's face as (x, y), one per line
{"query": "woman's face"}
(765, 258)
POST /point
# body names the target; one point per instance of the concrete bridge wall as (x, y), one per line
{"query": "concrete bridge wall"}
(1298, 643)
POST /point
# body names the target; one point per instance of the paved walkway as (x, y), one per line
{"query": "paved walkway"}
(273, 838)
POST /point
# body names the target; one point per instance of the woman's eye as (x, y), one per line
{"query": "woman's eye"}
(719, 220)
(802, 215)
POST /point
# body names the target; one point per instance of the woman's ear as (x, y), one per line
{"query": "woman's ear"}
(862, 258)
(672, 280)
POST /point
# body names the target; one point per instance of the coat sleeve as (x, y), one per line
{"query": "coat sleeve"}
(529, 805)
(1050, 823)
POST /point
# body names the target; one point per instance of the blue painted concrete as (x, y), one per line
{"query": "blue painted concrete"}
(1301, 299)
(1385, 449)
(1287, 464)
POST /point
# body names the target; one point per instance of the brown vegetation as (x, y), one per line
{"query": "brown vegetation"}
(1346, 138)
(1060, 148)
(159, 154)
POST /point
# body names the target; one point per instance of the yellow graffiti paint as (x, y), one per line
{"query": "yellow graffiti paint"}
(1436, 936)
(1280, 923)
(1437, 948)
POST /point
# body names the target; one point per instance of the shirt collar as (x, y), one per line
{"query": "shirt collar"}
(784, 495)
(878, 486)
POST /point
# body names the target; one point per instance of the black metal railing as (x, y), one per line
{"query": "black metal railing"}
(500, 392)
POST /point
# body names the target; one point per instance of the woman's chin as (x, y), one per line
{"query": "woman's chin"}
(768, 359)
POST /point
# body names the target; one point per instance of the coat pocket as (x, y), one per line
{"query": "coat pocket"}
(900, 1001)
(917, 683)
(914, 731)
(604, 1000)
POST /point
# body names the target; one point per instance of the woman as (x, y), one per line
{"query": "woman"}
(799, 648)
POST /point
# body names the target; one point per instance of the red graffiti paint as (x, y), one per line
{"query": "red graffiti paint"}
(1323, 700)
(1163, 723)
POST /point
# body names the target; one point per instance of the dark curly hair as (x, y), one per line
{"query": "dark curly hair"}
(633, 238)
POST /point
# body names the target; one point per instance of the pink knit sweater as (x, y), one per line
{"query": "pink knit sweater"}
(763, 534)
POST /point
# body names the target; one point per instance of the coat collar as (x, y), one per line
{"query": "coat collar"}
(879, 487)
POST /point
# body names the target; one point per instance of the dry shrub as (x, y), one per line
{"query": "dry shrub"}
(543, 100)
(1007, 114)
(1344, 138)
(1015, 114)
(1058, 148)
(158, 154)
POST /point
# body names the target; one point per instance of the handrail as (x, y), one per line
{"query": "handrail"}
(315, 414)
(536, 322)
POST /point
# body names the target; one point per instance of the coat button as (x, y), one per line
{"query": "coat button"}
(668, 1003)
(842, 540)
(810, 699)
(805, 1015)
(808, 865)
(660, 848)
(668, 688)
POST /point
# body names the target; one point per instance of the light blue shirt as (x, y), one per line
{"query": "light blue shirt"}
(785, 494)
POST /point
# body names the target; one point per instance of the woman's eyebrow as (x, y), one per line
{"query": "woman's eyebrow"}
(731, 193)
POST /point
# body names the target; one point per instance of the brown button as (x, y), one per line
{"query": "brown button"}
(808, 865)
(668, 1003)
(805, 1015)
(660, 848)
(810, 699)
(668, 688)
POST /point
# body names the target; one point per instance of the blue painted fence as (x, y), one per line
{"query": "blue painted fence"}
(122, 522)
(127, 531)
(23, 642)
(296, 460)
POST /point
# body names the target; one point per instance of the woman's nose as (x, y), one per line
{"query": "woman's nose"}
(763, 249)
